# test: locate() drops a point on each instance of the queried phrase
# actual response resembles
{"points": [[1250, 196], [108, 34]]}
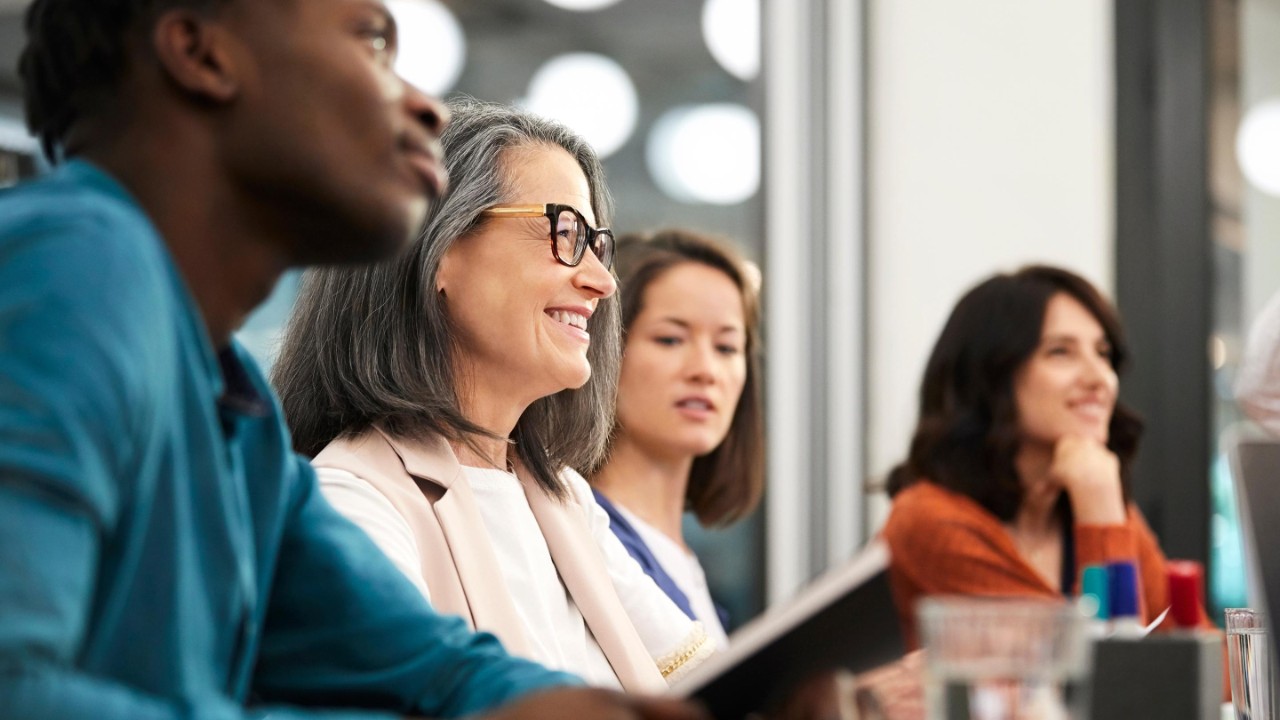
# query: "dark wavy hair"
{"points": [[76, 55], [726, 483], [967, 435]]}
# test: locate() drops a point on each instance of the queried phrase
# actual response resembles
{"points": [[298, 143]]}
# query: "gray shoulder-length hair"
{"points": [[373, 345]]}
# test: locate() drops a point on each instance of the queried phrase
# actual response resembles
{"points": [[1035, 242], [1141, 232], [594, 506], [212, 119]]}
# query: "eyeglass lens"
{"points": [[571, 240], [569, 236]]}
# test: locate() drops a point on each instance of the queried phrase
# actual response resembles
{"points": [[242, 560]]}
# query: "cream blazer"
{"points": [[460, 567]]}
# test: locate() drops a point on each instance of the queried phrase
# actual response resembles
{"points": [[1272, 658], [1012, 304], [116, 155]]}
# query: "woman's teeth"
{"points": [[569, 318]]}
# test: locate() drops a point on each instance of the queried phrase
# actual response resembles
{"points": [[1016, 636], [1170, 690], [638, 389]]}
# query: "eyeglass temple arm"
{"points": [[518, 211]]}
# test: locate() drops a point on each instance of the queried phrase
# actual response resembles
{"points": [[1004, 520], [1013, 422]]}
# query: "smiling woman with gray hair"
{"points": [[445, 395]]}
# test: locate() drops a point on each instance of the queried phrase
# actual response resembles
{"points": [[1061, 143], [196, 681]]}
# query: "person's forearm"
{"points": [[1102, 505]]}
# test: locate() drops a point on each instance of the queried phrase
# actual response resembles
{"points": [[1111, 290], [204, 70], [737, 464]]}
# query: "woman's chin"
{"points": [[699, 444], [574, 379], [1089, 431], [1097, 433]]}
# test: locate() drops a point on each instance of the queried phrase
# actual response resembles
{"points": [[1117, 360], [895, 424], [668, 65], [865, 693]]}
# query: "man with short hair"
{"points": [[163, 554]]}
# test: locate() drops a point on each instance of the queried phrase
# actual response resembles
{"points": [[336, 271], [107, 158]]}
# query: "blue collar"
{"points": [[239, 394]]}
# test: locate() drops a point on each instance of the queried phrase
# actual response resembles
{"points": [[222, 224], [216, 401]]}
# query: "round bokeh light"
{"points": [[706, 153], [1258, 147], [731, 29], [591, 94], [582, 5], [432, 47]]}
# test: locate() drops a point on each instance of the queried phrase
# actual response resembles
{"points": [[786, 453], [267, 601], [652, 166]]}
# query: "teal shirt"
{"points": [[163, 553]]}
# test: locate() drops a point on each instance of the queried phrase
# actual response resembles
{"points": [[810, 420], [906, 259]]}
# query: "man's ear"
{"points": [[196, 53]]}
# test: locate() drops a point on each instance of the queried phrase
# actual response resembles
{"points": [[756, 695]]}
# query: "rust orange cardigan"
{"points": [[945, 543]]}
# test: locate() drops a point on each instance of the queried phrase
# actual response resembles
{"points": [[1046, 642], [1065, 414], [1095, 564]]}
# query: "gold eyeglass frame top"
{"points": [[551, 211]]}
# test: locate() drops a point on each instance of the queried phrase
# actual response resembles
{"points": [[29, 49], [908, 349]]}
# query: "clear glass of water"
{"points": [[1249, 660], [989, 659]]}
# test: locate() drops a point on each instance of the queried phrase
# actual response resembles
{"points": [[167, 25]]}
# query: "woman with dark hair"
{"points": [[445, 395], [689, 430], [1018, 473]]}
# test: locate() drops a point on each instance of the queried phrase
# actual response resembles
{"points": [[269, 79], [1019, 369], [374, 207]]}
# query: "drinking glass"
{"points": [[1249, 660], [990, 659]]}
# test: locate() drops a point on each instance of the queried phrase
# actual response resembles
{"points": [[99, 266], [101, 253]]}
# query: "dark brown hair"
{"points": [[967, 435], [726, 483]]}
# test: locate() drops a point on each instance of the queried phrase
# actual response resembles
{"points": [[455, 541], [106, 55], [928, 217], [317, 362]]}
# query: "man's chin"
{"points": [[358, 249], [383, 239], [402, 233]]}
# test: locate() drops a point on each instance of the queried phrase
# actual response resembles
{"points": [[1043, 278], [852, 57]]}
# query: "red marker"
{"points": [[1186, 583]]}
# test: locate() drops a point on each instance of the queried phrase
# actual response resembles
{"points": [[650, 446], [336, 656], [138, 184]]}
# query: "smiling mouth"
{"points": [[695, 404], [1091, 409], [570, 319]]}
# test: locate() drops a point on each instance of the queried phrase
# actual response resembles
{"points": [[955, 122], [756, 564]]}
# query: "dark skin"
{"points": [[597, 704], [230, 262], [271, 134], [231, 193]]}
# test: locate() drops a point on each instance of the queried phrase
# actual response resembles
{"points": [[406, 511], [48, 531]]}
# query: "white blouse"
{"points": [[685, 570], [557, 632]]}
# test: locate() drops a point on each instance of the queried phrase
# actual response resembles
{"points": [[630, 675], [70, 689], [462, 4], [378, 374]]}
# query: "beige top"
{"points": [[468, 565]]}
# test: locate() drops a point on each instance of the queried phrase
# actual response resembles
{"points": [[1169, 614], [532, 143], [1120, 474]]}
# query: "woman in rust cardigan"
{"points": [[1018, 473]]}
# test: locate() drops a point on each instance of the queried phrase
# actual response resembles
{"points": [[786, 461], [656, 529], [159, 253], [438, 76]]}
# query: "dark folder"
{"points": [[844, 619]]}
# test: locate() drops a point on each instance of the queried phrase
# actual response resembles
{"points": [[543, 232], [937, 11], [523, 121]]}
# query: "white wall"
{"points": [[1260, 82], [990, 145]]}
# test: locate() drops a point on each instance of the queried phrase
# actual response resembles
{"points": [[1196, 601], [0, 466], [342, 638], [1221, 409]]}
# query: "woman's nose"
{"points": [[1098, 371], [594, 278], [700, 362]]}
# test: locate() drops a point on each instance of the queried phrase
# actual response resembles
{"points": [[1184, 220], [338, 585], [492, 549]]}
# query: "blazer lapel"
{"points": [[582, 568], [487, 594]]}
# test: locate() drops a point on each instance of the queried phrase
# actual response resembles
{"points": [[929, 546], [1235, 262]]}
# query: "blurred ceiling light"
{"points": [[1258, 146], [706, 153], [432, 47], [15, 137], [591, 94], [731, 29], [582, 5], [1217, 352]]}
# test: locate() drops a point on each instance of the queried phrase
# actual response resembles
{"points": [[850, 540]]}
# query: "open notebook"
{"points": [[844, 619]]}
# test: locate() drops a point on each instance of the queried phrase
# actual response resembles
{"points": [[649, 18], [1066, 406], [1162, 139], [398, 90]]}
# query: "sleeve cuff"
{"points": [[1104, 543], [697, 647]]}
